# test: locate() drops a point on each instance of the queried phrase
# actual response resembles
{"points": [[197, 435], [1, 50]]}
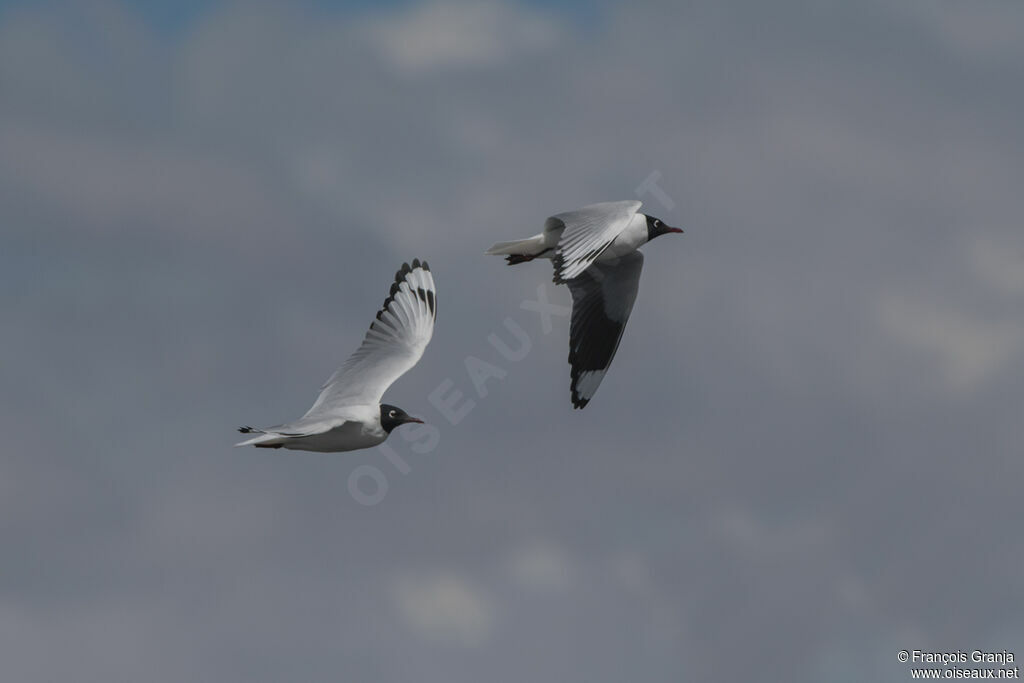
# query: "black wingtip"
{"points": [[396, 286], [579, 403], [557, 262], [245, 430], [559, 280]]}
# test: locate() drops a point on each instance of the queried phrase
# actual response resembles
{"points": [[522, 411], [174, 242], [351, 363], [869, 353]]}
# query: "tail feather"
{"points": [[264, 440], [514, 259], [528, 247]]}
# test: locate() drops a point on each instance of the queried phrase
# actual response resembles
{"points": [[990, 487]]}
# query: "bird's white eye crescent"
{"points": [[391, 414]]}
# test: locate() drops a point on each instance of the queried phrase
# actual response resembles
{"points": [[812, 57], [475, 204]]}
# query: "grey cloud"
{"points": [[804, 458]]}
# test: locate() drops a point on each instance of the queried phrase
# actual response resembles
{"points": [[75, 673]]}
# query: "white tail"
{"points": [[528, 247], [264, 438]]}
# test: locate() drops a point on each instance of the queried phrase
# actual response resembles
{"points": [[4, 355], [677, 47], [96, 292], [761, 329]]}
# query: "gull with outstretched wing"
{"points": [[348, 414]]}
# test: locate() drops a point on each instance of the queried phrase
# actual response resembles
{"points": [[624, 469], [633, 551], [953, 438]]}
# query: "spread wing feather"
{"points": [[587, 233], [602, 299], [394, 344]]}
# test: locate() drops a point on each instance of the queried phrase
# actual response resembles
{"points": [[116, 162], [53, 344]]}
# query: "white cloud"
{"points": [[1001, 266], [741, 529], [457, 34], [967, 350], [540, 565], [443, 607], [110, 184], [982, 30], [633, 570]]}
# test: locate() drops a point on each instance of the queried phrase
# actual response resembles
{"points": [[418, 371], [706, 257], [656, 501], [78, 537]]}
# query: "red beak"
{"points": [[416, 420], [674, 230]]}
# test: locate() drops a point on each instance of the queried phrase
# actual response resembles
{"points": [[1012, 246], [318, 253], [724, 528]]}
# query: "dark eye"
{"points": [[391, 414], [657, 222]]}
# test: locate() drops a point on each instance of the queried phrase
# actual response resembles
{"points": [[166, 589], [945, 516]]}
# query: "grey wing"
{"points": [[394, 344], [602, 299], [587, 233]]}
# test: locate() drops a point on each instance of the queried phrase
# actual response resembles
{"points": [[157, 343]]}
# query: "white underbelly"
{"points": [[616, 250], [627, 242], [350, 436]]}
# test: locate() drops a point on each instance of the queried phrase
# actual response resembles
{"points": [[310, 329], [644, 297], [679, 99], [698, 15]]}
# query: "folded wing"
{"points": [[602, 299], [587, 233], [394, 344]]}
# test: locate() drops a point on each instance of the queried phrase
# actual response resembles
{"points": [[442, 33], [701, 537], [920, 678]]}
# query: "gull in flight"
{"points": [[348, 414], [594, 252]]}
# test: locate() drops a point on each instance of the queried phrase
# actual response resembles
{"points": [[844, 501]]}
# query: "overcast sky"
{"points": [[806, 456]]}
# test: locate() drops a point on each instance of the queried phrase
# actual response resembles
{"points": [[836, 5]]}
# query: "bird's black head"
{"points": [[391, 417], [655, 227]]}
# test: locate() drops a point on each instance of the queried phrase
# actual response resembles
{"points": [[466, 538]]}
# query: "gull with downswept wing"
{"points": [[594, 252]]}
